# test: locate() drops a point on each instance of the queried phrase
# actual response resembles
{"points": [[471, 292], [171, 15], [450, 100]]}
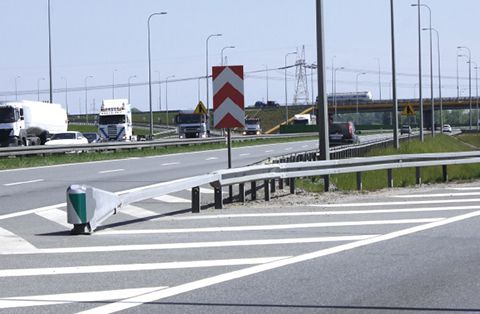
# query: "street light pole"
{"points": [[396, 143], [159, 91], [356, 87], [422, 137], [335, 87], [166, 94], [150, 71], [38, 87], [50, 53], [469, 81], [16, 87], [266, 77], [66, 93], [86, 97], [129, 79], [286, 92], [223, 49], [440, 77], [379, 79], [207, 78]]}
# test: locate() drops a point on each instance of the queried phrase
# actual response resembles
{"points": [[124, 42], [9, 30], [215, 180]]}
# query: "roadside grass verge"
{"points": [[37, 161], [472, 139], [376, 180]]}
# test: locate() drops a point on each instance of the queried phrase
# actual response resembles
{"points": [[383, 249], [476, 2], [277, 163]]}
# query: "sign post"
{"points": [[228, 103]]}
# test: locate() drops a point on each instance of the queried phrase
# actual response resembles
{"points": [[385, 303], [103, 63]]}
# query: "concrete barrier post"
{"points": [[292, 185], [266, 189], [272, 186], [359, 181], [390, 178], [418, 175], [445, 173], [280, 184], [196, 199], [253, 190], [218, 198], [326, 183], [241, 192]]}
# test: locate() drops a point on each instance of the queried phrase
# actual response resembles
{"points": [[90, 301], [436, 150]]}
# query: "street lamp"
{"points": [[159, 91], [396, 143], [266, 78], [16, 87], [379, 79], [469, 81], [150, 71], [113, 84], [476, 88], [458, 78], [356, 86], [223, 49], [286, 93], [129, 79], [422, 137], [432, 98], [50, 54], [198, 88], [38, 87], [86, 97], [66, 93], [206, 78], [335, 87], [440, 77], [166, 94]]}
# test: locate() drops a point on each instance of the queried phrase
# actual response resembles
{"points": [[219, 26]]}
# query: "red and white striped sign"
{"points": [[228, 98]]}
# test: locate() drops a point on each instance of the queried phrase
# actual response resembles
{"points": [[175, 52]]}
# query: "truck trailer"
{"points": [[115, 120], [25, 123]]}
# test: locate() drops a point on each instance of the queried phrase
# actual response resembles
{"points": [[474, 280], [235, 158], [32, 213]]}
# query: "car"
{"points": [[405, 129], [447, 128], [92, 137], [342, 133], [67, 138]]}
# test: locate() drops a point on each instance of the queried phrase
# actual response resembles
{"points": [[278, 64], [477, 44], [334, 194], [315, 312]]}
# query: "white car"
{"points": [[447, 128], [67, 138]]}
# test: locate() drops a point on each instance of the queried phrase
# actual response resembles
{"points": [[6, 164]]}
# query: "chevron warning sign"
{"points": [[228, 97]]}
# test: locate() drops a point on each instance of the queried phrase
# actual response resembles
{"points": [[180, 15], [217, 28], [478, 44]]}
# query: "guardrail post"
{"points": [[445, 173], [292, 185], [272, 186], [418, 175], [326, 183], [266, 188], [241, 192], [359, 181], [287, 182], [390, 178], [218, 198], [253, 190], [196, 199], [280, 184]]}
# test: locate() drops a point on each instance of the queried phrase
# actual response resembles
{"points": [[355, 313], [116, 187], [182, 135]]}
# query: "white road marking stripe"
{"points": [[438, 195], [24, 182], [65, 298], [135, 267], [57, 216], [212, 158], [269, 151], [187, 245], [171, 199], [137, 212], [288, 148], [472, 188], [10, 242], [272, 227], [325, 213], [31, 211], [110, 171], [465, 200], [170, 163], [245, 154], [202, 283]]}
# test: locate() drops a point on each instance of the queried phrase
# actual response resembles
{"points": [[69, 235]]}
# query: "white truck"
{"points": [[191, 125], [25, 123], [304, 119], [115, 120], [252, 126]]}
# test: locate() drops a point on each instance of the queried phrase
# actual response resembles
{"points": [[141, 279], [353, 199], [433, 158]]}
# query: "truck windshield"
{"points": [[251, 121], [7, 115], [189, 118], [113, 119]]}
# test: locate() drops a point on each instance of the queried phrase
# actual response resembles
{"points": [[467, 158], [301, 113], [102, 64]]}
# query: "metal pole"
{"points": [[223, 49], [469, 82], [356, 86], [322, 106], [50, 53], [166, 95], [335, 87], [476, 101], [458, 79], [379, 79], [198, 88], [229, 152], [16, 87], [311, 82], [207, 78], [86, 97], [38, 87], [432, 99], [266, 76], [66, 93], [286, 93], [113, 84], [439, 79], [129, 79], [422, 136], [396, 143], [150, 71], [159, 91]]}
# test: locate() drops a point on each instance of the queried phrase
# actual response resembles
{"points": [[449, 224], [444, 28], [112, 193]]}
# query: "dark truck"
{"points": [[342, 133]]}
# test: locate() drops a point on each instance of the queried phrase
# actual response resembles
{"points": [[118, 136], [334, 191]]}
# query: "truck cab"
{"points": [[252, 127], [115, 120], [12, 125], [191, 125]]}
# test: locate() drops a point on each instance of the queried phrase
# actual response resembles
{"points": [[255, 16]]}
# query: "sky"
{"points": [[107, 40]]}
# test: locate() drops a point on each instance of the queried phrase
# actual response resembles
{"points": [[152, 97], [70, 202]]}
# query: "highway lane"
{"points": [[362, 253], [30, 188]]}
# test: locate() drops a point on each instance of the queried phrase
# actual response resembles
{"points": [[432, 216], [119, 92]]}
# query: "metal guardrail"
{"points": [[98, 205], [119, 146]]}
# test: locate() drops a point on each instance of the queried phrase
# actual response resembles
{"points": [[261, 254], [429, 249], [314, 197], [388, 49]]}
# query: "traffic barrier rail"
{"points": [[82, 211]]}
